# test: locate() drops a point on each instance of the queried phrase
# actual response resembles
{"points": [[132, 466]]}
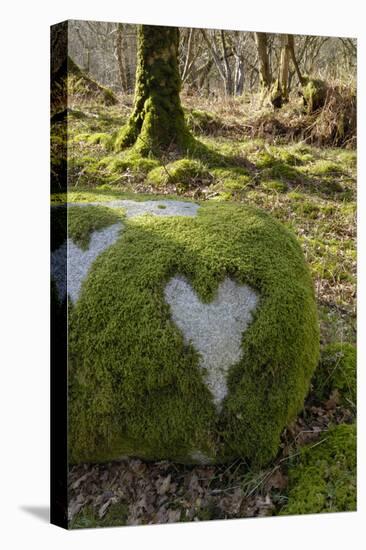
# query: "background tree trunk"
{"points": [[263, 59], [284, 67], [157, 121], [291, 46], [120, 58]]}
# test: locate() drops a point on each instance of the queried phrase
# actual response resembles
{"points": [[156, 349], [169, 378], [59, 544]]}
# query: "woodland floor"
{"points": [[312, 190]]}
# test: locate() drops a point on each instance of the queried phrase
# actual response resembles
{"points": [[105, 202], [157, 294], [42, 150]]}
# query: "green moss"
{"points": [[131, 161], [185, 172], [314, 93], [273, 166], [308, 208], [83, 221], [88, 518], [87, 195], [337, 371], [235, 178], [274, 185], [136, 388], [323, 478], [347, 158], [292, 158], [85, 171], [323, 256], [325, 168], [100, 139], [202, 122], [282, 170], [97, 138], [265, 159], [303, 154]]}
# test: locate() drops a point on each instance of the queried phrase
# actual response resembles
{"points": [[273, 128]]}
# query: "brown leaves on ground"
{"points": [[164, 492]]}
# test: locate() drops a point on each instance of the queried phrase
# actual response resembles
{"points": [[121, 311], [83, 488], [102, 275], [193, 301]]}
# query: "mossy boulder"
{"points": [[323, 477], [193, 336]]}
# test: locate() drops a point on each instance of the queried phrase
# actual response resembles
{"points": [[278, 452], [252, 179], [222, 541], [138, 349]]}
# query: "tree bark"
{"points": [[263, 59], [229, 89], [120, 59], [189, 55], [157, 121], [239, 75], [284, 67], [291, 46]]}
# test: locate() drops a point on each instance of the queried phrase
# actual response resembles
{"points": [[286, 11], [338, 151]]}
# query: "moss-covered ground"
{"points": [[312, 191], [322, 477]]}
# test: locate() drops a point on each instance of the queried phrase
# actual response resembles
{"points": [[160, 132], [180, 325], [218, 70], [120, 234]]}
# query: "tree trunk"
{"points": [[189, 55], [239, 75], [284, 67], [280, 89], [263, 59], [120, 58], [291, 46], [229, 88], [157, 121], [220, 59]]}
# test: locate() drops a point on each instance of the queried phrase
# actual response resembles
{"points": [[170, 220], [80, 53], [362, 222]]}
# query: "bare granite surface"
{"points": [[216, 329]]}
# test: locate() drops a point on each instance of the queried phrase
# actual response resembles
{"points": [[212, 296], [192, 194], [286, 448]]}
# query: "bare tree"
{"points": [[123, 65], [219, 50]]}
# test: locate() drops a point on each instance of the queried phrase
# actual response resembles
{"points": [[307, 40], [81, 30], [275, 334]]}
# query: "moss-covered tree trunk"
{"points": [[157, 121]]}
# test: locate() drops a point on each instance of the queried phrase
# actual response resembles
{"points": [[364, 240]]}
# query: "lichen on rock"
{"points": [[215, 329]]}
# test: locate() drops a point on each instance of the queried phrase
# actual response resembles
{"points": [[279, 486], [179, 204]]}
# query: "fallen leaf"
{"points": [[173, 516], [333, 400], [163, 484], [277, 480], [103, 509]]}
